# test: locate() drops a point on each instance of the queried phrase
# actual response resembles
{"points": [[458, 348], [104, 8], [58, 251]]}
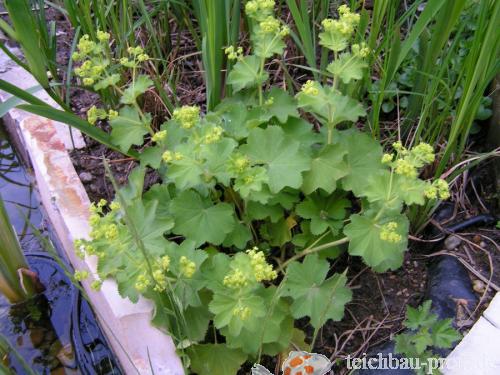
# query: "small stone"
{"points": [[85, 177], [478, 286], [452, 242], [93, 188], [36, 336]]}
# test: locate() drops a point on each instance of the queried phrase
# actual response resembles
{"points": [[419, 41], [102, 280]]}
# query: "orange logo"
{"points": [[299, 363]]}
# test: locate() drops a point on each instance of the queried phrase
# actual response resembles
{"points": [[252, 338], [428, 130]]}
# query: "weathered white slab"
{"points": [[135, 342], [15, 75], [479, 350]]}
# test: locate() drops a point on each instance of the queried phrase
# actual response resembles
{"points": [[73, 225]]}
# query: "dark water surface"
{"points": [[55, 332]]}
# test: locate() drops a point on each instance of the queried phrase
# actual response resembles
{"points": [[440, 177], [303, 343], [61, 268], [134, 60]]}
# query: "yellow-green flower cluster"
{"points": [[438, 189], [187, 267], [169, 156], [236, 279], [270, 25], [345, 24], [81, 275], [93, 57], [96, 285], [142, 283], [165, 263], [310, 88], [259, 9], [242, 312], [160, 280], [234, 53], [94, 114], [103, 226], [85, 47], [213, 135], [102, 36], [136, 55], [187, 116], [112, 114], [408, 162], [262, 270], [239, 163], [91, 71], [389, 233], [159, 136], [360, 50]]}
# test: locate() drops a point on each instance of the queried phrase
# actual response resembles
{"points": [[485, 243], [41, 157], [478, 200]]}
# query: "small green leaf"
{"points": [[333, 40], [314, 296], [268, 45], [210, 359], [239, 237], [136, 88], [443, 334], [364, 235], [104, 83], [420, 317], [259, 211], [200, 220], [128, 128], [347, 67], [245, 73], [283, 105], [277, 234]]}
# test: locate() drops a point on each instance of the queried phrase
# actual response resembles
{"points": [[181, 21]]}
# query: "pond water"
{"points": [[55, 332]]}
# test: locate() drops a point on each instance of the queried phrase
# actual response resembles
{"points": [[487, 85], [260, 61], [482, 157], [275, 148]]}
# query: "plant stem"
{"points": [[311, 250]]}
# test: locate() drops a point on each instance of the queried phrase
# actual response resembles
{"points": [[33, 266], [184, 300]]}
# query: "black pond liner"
{"points": [[448, 281]]}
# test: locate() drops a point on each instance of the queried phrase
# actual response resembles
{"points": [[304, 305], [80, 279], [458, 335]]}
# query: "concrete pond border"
{"points": [[43, 144]]}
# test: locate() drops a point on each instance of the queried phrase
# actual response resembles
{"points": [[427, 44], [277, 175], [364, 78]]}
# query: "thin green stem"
{"points": [[312, 250]]}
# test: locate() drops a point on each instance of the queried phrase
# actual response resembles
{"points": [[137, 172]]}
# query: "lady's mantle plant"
{"points": [[233, 245]]}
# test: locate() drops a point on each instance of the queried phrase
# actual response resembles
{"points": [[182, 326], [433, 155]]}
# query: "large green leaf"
{"points": [[186, 288], [271, 329], [223, 306], [364, 156], [324, 212], [200, 220], [313, 295], [128, 128], [327, 167], [364, 234], [281, 155], [211, 359]]}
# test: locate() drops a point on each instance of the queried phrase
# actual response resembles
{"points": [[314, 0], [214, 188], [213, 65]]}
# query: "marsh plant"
{"points": [[17, 282], [236, 241]]}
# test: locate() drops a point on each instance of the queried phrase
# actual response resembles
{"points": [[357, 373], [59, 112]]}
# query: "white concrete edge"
{"points": [[479, 350], [127, 326]]}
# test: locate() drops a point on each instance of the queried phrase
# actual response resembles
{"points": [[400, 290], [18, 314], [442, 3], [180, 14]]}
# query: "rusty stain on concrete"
{"points": [[64, 180]]}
